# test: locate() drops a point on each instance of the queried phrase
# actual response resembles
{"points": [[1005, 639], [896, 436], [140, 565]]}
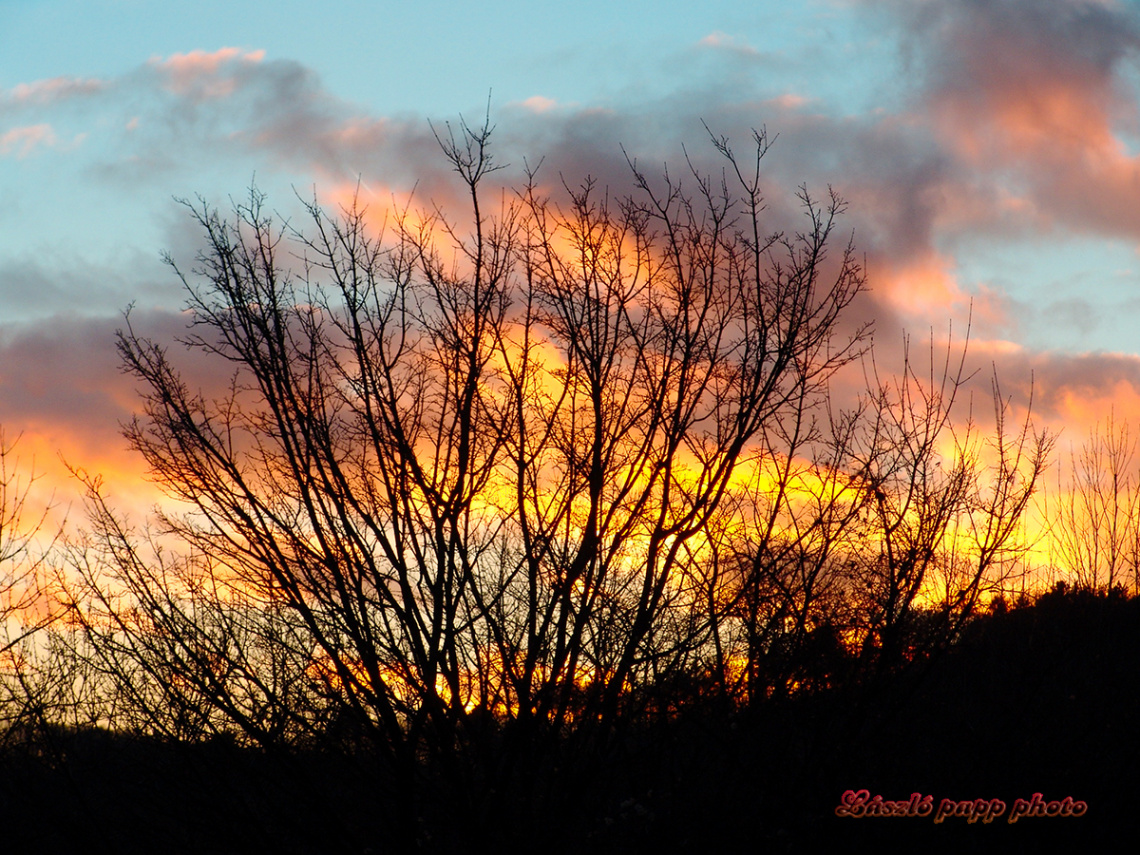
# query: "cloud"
{"points": [[193, 113], [34, 287], [1036, 96], [51, 91], [722, 41], [1012, 126], [791, 101], [204, 76], [538, 104], [23, 141], [1074, 391], [62, 391], [60, 388]]}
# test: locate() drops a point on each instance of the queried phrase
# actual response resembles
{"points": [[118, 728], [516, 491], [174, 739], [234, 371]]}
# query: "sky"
{"points": [[989, 151]]}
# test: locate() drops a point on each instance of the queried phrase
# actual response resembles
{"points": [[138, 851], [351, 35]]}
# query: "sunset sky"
{"points": [[989, 149]]}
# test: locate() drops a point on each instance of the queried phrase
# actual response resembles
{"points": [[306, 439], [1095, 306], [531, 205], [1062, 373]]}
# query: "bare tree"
{"points": [[779, 585], [25, 606], [1094, 516], [883, 528], [468, 473], [944, 505]]}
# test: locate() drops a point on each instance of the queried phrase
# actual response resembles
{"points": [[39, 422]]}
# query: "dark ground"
{"points": [[1041, 699]]}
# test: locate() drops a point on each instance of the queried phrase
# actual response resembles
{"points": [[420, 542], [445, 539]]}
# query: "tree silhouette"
{"points": [[468, 508], [1094, 513], [467, 475], [27, 679], [480, 502], [882, 528]]}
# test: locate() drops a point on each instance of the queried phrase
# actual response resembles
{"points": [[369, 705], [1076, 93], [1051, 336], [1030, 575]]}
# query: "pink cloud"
{"points": [[790, 101], [722, 41], [23, 141], [538, 104], [1033, 95], [206, 76], [198, 62], [56, 89]]}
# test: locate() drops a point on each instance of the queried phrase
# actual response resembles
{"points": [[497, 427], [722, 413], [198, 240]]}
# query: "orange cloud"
{"points": [[925, 287], [62, 393], [1080, 410], [382, 206]]}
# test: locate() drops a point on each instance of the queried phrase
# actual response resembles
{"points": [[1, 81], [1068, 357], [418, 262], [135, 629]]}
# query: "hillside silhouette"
{"points": [[1042, 697]]}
